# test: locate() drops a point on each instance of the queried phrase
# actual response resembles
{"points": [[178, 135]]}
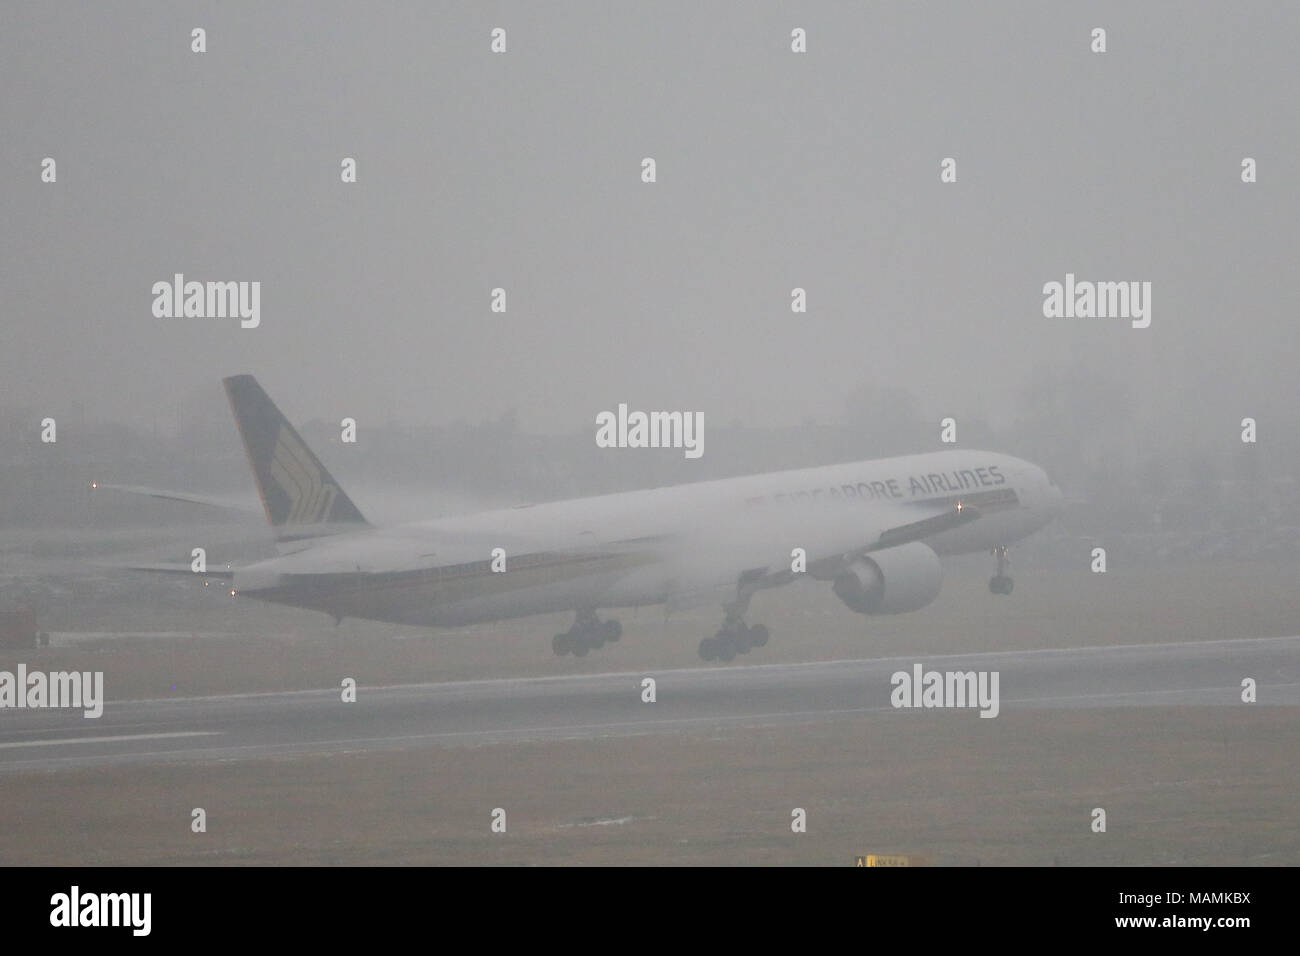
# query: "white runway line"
{"points": [[115, 739]]}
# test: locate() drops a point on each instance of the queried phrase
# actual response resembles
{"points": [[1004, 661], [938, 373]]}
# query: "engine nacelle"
{"points": [[892, 581]]}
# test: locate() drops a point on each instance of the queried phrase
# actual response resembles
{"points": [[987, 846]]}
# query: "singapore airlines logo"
{"points": [[294, 470]]}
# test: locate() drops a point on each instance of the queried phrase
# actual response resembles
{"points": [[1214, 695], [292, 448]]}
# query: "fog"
{"points": [[522, 171]]}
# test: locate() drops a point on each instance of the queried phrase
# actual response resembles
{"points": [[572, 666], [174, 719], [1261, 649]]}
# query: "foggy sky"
{"points": [[522, 170]]}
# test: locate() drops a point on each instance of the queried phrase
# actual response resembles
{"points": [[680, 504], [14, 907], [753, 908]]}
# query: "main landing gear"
{"points": [[1001, 583], [735, 636], [733, 639], [588, 633]]}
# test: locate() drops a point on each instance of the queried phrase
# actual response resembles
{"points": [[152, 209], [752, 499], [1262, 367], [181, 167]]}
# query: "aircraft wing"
{"points": [[164, 568], [756, 548], [920, 528]]}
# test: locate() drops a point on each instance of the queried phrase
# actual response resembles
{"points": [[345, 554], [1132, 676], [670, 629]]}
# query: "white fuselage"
{"points": [[634, 548]]}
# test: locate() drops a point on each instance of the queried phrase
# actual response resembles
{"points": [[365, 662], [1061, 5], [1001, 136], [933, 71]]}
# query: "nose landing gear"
{"points": [[1001, 583]]}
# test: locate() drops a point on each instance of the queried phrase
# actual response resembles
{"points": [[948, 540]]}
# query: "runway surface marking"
{"points": [[109, 740], [933, 659], [1197, 674]]}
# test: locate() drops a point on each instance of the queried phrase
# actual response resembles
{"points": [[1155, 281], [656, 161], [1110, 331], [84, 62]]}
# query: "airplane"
{"points": [[874, 530]]}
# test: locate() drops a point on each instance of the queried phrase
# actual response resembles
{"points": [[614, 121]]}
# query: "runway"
{"points": [[234, 727]]}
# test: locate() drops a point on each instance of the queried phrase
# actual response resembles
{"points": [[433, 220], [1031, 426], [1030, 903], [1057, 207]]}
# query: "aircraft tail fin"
{"points": [[301, 497]]}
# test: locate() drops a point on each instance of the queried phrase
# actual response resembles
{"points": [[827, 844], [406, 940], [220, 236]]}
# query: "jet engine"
{"points": [[891, 581]]}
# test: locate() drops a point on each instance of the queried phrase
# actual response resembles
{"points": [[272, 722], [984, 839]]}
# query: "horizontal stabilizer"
{"points": [[182, 496]]}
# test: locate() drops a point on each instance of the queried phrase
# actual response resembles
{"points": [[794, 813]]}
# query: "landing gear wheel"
{"points": [[734, 638], [587, 634]]}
